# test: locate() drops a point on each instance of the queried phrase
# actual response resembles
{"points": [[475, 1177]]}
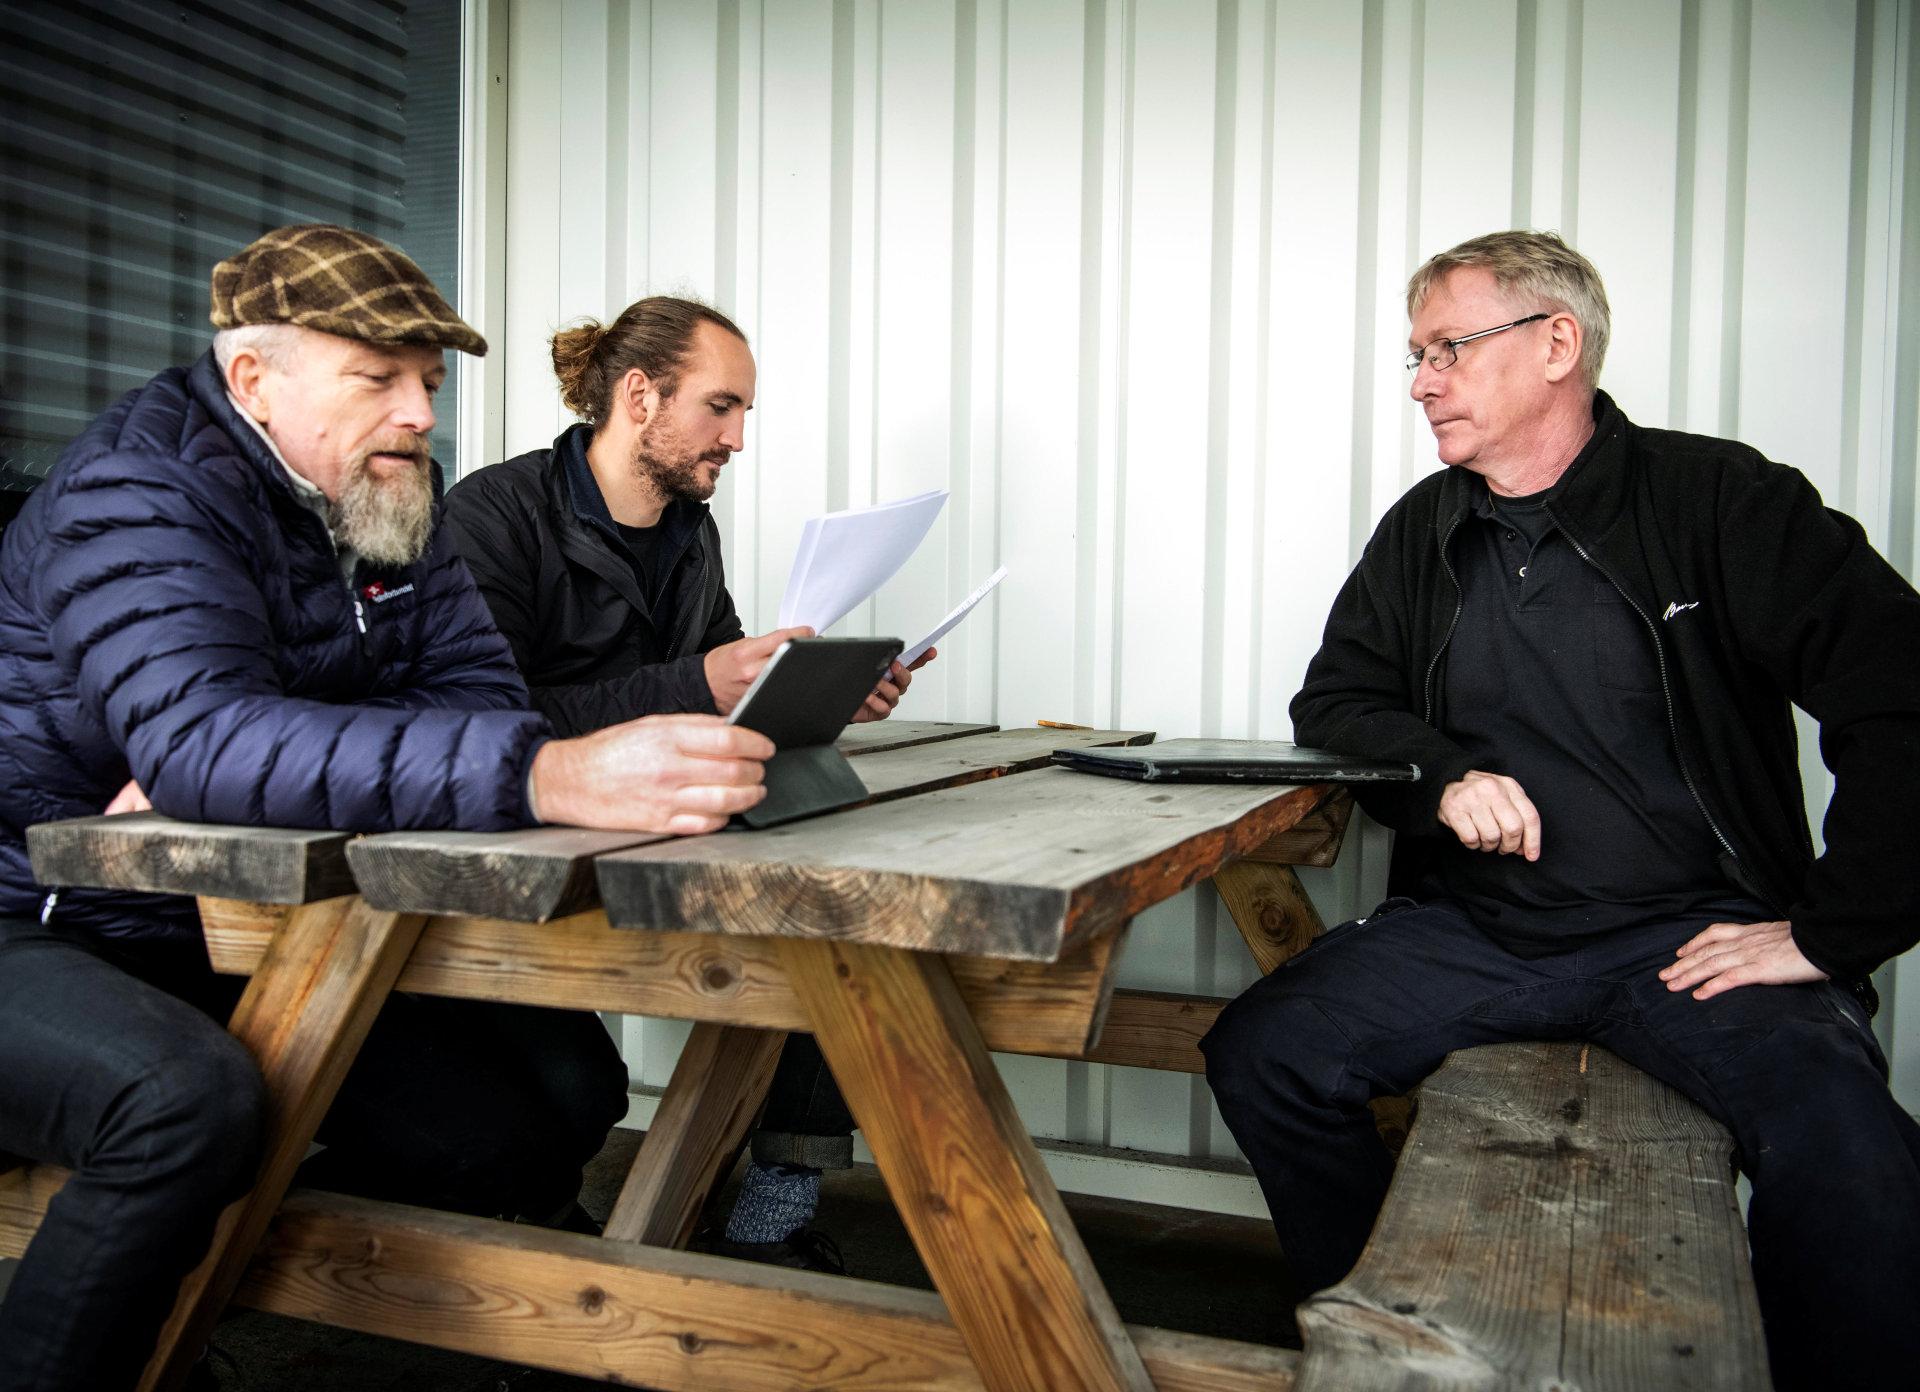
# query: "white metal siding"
{"points": [[1126, 276]]}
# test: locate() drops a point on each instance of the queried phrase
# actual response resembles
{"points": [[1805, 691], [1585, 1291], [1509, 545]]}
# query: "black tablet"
{"points": [[1233, 761], [811, 687]]}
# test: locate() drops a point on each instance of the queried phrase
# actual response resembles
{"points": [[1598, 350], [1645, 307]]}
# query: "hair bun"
{"points": [[574, 352]]}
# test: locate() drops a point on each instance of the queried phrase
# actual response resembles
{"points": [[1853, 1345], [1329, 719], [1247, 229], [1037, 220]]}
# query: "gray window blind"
{"points": [[142, 142]]}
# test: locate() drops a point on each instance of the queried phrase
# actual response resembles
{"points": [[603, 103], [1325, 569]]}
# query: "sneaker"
{"points": [[806, 1249], [572, 1218], [214, 1371]]}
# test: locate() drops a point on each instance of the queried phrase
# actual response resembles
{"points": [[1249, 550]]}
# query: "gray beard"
{"points": [[389, 524]]}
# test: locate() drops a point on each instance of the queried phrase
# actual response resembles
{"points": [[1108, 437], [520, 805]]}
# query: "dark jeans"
{"points": [[114, 1063], [806, 1121], [1792, 1071]]}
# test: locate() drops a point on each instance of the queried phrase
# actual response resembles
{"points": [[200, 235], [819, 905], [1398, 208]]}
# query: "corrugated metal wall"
{"points": [[1125, 276]]}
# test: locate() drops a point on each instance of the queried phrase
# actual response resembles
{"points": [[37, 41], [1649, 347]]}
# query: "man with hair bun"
{"points": [[601, 563], [231, 597], [1590, 636]]}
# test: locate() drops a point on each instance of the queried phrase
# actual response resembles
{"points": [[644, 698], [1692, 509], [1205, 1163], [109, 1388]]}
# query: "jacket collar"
{"points": [[680, 521], [250, 440], [209, 390], [1587, 499], [1593, 493]]}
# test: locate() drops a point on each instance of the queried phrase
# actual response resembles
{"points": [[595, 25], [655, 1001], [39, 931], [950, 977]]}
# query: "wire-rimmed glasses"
{"points": [[1443, 353]]}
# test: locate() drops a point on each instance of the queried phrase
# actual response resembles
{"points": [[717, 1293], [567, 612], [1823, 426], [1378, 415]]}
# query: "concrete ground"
{"points": [[1200, 1273]]}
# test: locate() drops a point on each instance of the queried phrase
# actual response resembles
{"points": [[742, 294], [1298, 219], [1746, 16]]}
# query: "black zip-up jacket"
{"points": [[1757, 598], [537, 535]]}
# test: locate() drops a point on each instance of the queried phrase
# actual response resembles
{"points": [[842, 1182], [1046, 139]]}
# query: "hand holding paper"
{"points": [[884, 697]]}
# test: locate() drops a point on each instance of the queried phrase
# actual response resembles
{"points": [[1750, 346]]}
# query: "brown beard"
{"points": [[676, 474], [388, 521]]}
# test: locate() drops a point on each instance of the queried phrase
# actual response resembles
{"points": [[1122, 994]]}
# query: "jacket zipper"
{"points": [[1666, 689], [360, 621], [1459, 603]]}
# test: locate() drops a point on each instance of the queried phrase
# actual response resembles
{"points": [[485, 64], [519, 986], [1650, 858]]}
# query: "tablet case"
{"points": [[1233, 761], [802, 700]]}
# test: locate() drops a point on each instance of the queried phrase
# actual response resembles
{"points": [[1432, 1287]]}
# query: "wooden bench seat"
{"points": [[1558, 1220]]}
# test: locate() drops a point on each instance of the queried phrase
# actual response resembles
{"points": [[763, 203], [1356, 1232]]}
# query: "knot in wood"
{"points": [[592, 1299], [717, 976], [691, 1342]]}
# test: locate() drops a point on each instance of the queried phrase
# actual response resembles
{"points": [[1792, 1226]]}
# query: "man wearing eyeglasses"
{"points": [[1590, 637]]}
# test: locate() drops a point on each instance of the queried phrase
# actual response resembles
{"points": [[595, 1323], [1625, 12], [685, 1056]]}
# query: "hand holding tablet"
{"points": [[802, 700]]}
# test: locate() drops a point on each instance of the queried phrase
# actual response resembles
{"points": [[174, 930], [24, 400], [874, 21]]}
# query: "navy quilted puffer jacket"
{"points": [[171, 612]]}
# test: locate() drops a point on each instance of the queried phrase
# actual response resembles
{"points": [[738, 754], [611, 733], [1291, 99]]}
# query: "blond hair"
{"points": [[1536, 270]]}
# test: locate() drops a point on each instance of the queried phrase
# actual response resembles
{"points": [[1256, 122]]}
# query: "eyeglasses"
{"points": [[1443, 353]]}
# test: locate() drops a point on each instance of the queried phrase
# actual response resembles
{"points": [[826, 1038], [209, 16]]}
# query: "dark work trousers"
{"points": [[1793, 1072], [115, 1063], [806, 1121], [158, 1112]]}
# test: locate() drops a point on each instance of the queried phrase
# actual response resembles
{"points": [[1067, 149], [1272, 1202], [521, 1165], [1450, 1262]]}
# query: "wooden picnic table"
{"points": [[977, 901]]}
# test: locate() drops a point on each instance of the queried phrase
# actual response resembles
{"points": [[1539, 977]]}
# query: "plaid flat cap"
{"points": [[338, 281]]}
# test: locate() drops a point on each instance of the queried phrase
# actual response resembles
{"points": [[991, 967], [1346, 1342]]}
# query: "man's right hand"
{"points": [[731, 667], [684, 774], [1491, 812]]}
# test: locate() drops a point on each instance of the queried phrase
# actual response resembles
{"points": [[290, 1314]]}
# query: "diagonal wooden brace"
{"points": [[716, 1092], [303, 1017]]}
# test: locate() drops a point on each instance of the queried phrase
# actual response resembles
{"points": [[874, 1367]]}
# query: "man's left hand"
{"points": [[884, 697], [129, 799], [1730, 955]]}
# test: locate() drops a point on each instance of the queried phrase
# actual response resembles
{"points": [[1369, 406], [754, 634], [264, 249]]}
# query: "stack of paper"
{"points": [[845, 557]]}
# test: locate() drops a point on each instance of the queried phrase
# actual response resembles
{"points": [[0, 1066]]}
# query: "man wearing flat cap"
{"points": [[231, 597]]}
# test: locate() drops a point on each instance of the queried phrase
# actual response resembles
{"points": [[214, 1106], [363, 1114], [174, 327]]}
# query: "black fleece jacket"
{"points": [[537, 535], [1757, 598]]}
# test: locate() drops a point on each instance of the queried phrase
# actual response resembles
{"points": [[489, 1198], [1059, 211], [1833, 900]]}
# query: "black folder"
{"points": [[1233, 761]]}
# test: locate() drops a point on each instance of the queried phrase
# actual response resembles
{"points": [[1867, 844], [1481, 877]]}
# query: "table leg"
{"points": [[969, 1184], [716, 1091], [303, 1017]]}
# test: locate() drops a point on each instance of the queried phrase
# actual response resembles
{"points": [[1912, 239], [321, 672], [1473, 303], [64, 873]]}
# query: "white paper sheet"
{"points": [[947, 625], [844, 557]]}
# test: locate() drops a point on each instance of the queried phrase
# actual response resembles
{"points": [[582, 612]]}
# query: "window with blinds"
{"points": [[142, 142]]}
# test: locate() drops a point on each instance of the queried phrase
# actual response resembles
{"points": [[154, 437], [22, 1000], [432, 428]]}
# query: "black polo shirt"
{"points": [[1552, 678]]}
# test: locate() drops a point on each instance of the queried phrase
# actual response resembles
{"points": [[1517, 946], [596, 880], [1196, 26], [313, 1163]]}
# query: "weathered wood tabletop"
{"points": [[976, 901]]}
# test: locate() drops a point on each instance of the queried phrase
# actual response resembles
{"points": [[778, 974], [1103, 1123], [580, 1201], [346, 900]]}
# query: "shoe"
{"points": [[214, 1371], [572, 1218], [806, 1249]]}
